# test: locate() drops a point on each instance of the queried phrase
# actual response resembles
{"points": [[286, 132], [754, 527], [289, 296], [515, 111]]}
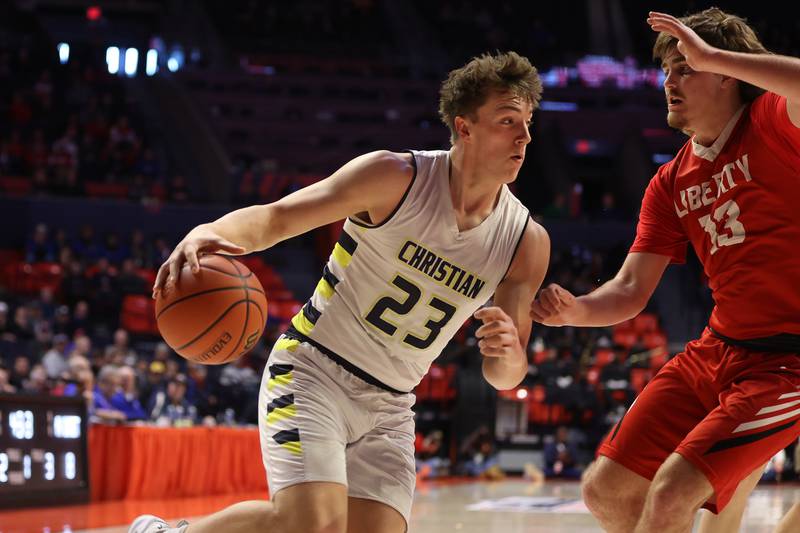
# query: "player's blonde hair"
{"points": [[468, 87], [720, 30]]}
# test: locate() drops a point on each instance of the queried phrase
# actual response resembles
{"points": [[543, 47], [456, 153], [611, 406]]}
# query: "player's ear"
{"points": [[462, 128]]}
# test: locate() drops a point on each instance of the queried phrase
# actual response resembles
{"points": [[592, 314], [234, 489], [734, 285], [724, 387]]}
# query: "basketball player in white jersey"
{"points": [[429, 237]]}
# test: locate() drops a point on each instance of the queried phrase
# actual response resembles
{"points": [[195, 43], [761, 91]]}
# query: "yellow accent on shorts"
{"points": [[283, 379], [282, 413], [324, 288], [341, 256], [302, 324], [286, 344], [295, 447]]}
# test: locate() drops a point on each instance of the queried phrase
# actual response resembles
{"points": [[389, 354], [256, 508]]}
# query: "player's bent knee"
{"points": [[666, 498]]}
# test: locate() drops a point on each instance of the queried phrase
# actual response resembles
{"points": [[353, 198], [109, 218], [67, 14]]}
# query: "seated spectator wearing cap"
{"points": [[171, 407], [127, 398], [103, 410], [153, 383]]}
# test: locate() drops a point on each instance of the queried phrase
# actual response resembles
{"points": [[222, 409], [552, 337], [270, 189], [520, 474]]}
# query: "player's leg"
{"points": [[303, 415], [676, 494], [756, 417], [380, 464], [790, 523], [730, 518], [615, 488], [369, 515], [314, 507], [614, 494]]}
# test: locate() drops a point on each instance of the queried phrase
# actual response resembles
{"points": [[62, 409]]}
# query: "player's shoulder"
{"points": [[668, 172], [388, 162]]}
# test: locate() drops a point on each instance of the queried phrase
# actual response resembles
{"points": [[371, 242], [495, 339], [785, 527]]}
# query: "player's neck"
{"points": [[714, 123], [473, 196]]}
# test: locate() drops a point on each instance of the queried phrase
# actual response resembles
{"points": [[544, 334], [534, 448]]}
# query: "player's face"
{"points": [[501, 134], [691, 95]]}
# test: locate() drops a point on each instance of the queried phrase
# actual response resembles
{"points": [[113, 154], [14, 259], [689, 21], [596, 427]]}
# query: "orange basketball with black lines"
{"points": [[214, 316]]}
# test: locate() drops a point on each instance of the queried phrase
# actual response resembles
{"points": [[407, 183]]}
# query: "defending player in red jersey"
{"points": [[731, 400]]}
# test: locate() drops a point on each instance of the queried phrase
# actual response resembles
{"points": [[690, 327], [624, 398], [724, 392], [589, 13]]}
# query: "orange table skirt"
{"points": [[148, 462]]}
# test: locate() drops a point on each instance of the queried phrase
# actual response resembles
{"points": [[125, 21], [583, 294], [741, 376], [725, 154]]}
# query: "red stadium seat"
{"points": [[16, 186], [626, 338], [138, 315], [603, 356], [645, 322], [99, 189], [639, 378]]}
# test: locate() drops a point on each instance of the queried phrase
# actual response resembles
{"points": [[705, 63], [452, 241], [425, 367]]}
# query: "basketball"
{"points": [[214, 316]]}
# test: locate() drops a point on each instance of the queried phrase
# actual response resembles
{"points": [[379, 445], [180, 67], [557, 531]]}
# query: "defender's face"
{"points": [[691, 95], [501, 134]]}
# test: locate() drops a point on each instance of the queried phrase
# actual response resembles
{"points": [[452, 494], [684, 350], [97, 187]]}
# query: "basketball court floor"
{"points": [[513, 506]]}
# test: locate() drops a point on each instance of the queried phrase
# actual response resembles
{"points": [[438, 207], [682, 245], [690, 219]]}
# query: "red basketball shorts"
{"points": [[725, 409]]}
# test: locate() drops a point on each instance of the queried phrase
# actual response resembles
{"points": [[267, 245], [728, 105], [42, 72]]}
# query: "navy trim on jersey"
{"points": [[519, 241]]}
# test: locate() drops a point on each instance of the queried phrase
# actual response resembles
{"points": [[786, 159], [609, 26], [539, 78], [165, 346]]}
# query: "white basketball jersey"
{"points": [[392, 295]]}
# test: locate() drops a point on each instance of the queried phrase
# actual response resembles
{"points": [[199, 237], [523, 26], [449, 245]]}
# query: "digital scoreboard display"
{"points": [[43, 457]]}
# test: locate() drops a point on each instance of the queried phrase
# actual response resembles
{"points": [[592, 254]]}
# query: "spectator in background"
{"points": [[129, 281], [179, 190], [75, 284], [82, 347], [80, 323], [479, 456], [22, 328], [114, 250], [20, 372], [5, 384], [141, 250], [431, 460], [62, 321], [171, 408], [561, 456], [103, 409], [40, 248], [5, 325], [55, 359], [127, 398], [120, 353], [200, 391], [85, 246], [154, 382], [37, 382]]}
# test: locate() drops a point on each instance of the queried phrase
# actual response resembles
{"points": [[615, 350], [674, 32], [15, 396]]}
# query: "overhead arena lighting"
{"points": [[131, 61], [63, 53], [112, 59], [151, 64]]}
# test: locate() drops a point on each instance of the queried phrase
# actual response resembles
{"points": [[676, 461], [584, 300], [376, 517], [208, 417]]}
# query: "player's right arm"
{"points": [[619, 299], [373, 183]]}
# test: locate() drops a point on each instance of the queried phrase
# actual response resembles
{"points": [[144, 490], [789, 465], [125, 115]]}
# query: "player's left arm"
{"points": [[773, 73], [503, 337]]}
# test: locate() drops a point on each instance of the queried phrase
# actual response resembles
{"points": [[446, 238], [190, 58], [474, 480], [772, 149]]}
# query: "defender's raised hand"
{"points": [[697, 52]]}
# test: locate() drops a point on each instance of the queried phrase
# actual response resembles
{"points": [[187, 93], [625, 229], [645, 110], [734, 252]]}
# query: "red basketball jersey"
{"points": [[740, 210]]}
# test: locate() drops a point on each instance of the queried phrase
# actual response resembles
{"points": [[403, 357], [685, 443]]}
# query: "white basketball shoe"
{"points": [[148, 523]]}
